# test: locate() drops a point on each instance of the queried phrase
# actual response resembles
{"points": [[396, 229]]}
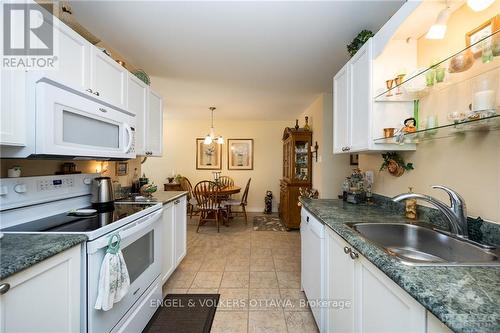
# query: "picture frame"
{"points": [[354, 159], [481, 32], [208, 157], [121, 168], [240, 154]]}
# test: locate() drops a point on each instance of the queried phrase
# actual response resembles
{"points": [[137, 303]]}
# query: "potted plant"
{"points": [[357, 42], [395, 164]]}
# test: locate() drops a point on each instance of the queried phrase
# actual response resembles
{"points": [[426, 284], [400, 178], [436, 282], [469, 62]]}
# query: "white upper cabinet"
{"points": [[341, 110], [12, 105], [357, 118], [360, 77], [137, 94], [154, 125], [73, 58], [108, 79]]}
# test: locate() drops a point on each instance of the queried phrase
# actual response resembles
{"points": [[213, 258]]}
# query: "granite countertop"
{"points": [[20, 251], [466, 299], [168, 196]]}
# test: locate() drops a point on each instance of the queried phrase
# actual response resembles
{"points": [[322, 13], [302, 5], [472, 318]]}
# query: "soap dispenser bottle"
{"points": [[411, 207]]}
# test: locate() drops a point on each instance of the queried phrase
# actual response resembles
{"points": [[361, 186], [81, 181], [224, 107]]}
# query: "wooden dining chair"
{"points": [[207, 198], [228, 204], [191, 200], [226, 181]]}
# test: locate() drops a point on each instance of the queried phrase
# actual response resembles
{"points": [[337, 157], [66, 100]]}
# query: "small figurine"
{"points": [[410, 125], [306, 126], [296, 124]]}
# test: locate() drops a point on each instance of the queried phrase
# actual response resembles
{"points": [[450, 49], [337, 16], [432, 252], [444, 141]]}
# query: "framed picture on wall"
{"points": [[240, 154], [121, 168], [208, 157], [478, 36]]}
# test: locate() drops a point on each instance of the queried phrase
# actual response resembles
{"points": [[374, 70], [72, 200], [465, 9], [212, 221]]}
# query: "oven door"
{"points": [[72, 123], [141, 248]]}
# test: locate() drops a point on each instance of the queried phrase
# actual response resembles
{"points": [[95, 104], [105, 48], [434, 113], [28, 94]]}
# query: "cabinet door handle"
{"points": [[307, 219], [347, 250], [347, 148], [89, 90], [96, 93], [177, 202], [353, 255], [4, 287], [103, 110]]}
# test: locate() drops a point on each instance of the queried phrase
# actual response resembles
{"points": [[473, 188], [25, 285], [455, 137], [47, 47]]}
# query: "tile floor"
{"points": [[257, 274]]}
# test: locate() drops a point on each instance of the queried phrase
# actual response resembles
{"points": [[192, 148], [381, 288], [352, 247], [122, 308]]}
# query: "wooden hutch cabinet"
{"points": [[297, 173]]}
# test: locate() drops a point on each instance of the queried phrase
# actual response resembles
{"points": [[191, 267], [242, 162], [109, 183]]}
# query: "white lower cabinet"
{"points": [[45, 297], [174, 236], [180, 229], [356, 296], [168, 261], [312, 261]]}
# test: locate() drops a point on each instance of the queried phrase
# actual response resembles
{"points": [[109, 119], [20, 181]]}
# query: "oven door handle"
{"points": [[127, 231]]}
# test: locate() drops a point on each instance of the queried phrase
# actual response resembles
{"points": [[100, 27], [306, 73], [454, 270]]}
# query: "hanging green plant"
{"points": [[357, 42], [395, 164]]}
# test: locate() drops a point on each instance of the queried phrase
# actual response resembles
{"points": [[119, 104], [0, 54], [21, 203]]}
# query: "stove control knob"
{"points": [[20, 188], [3, 190], [87, 181]]}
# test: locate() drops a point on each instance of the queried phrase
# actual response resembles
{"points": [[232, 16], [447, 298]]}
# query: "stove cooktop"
{"points": [[68, 222]]}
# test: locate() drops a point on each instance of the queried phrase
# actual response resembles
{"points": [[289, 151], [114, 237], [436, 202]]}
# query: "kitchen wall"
{"points": [[179, 154], [469, 164], [330, 170]]}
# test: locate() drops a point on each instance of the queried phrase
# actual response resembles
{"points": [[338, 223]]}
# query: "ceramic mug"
{"points": [[14, 172], [389, 132]]}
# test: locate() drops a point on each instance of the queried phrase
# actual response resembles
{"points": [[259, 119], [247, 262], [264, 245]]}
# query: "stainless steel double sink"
{"points": [[415, 244]]}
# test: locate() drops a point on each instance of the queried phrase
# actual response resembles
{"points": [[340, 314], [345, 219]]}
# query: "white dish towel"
{"points": [[114, 281]]}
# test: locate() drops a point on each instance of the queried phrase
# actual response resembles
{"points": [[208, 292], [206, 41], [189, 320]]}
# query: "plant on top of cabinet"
{"points": [[395, 164], [357, 42]]}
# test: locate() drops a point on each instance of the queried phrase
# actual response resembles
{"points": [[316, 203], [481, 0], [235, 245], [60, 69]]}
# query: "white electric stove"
{"points": [[46, 204]]}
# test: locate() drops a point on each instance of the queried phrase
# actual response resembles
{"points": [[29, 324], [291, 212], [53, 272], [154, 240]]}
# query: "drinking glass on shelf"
{"points": [[440, 73], [389, 84], [398, 80], [429, 77], [487, 54]]}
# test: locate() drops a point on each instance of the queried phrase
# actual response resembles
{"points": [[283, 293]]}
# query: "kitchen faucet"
{"points": [[456, 214]]}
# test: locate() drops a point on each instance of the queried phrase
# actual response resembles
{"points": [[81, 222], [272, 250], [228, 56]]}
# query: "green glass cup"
{"points": [[429, 77], [440, 73]]}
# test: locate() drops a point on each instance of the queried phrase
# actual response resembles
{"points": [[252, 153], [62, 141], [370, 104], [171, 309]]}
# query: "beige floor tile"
{"points": [[192, 265], [294, 300], [233, 299], [266, 322], [264, 300], [288, 280], [213, 265], [203, 291], [207, 280], [286, 252], [283, 264], [235, 280], [300, 322], [263, 280], [261, 264], [238, 264], [181, 279], [258, 252], [166, 290], [230, 322]]}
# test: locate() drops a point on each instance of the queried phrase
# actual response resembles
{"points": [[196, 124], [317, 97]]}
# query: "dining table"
{"points": [[224, 193]]}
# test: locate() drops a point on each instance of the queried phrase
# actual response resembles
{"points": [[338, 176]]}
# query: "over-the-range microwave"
{"points": [[71, 124]]}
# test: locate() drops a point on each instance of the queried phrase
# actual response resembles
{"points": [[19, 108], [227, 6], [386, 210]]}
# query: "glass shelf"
{"points": [[491, 123], [417, 84]]}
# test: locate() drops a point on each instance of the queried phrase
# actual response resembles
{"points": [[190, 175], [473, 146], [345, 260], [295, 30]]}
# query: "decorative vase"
{"points": [[306, 126], [296, 124]]}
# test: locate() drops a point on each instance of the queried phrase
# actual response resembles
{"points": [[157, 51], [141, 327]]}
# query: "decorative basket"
{"points": [[143, 76]]}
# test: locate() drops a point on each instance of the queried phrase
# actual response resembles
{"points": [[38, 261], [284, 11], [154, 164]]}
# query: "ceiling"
{"points": [[252, 60]]}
